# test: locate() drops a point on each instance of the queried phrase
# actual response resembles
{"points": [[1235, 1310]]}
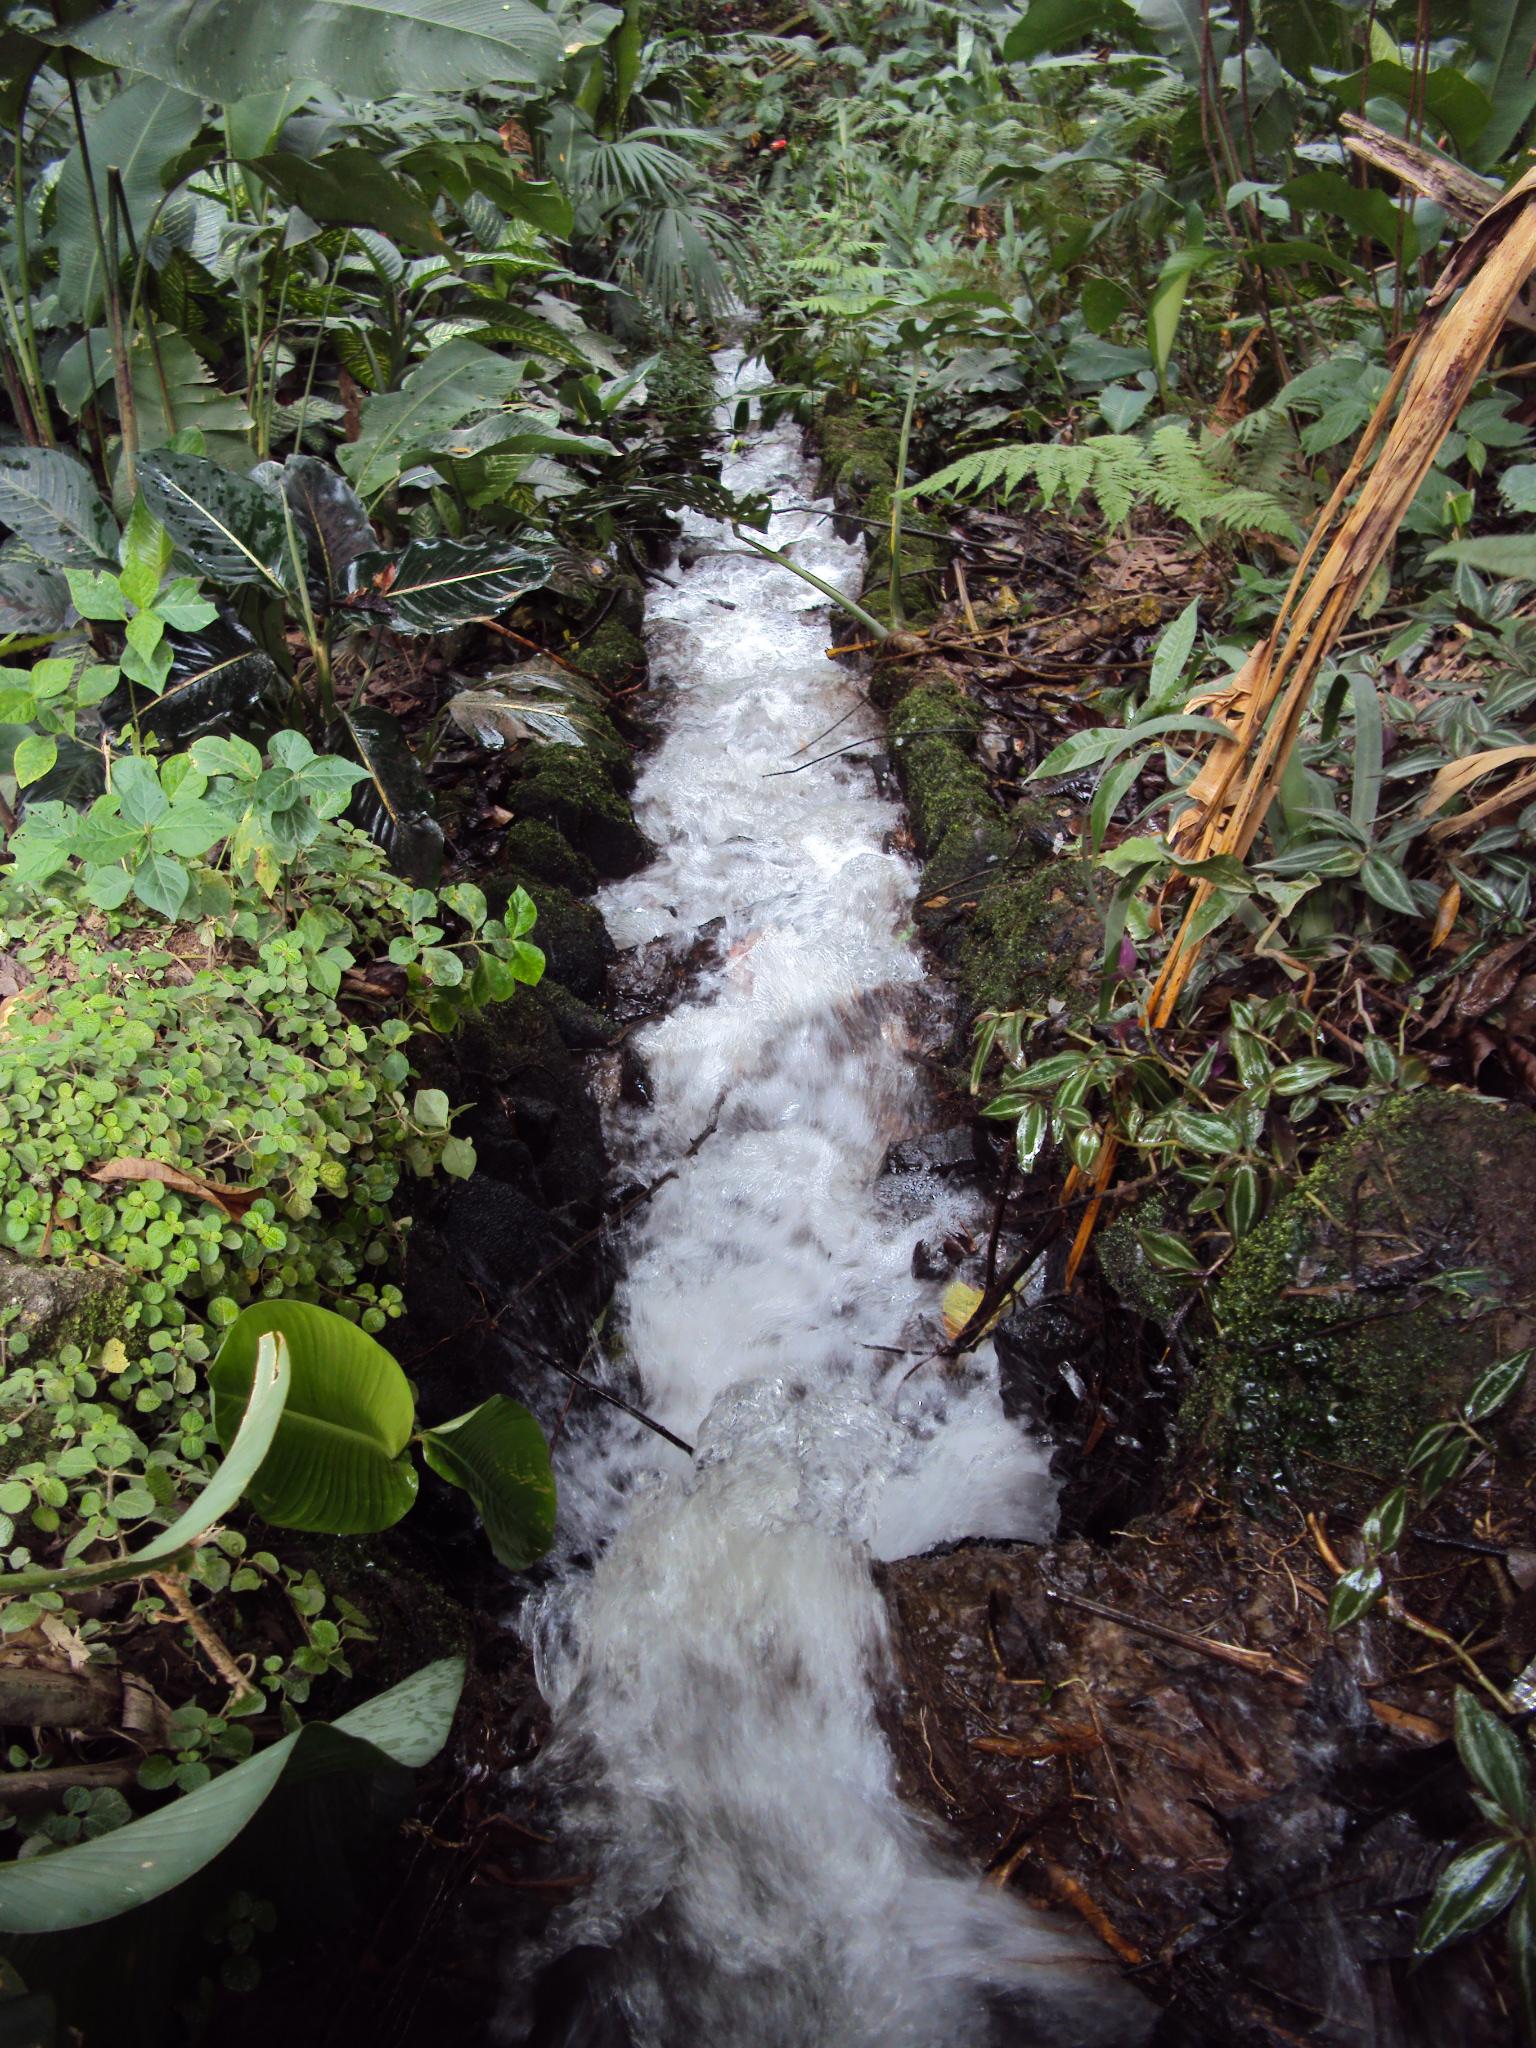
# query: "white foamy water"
{"points": [[756, 1880]]}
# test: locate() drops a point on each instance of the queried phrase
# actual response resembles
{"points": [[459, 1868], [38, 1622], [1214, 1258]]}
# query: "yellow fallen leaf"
{"points": [[960, 1304], [114, 1355]]}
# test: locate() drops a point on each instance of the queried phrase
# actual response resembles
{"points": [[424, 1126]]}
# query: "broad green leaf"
{"points": [[441, 583], [1365, 784], [161, 884], [339, 1462], [252, 1440], [1474, 1888], [1383, 1528], [455, 381], [230, 527], [1494, 1757], [1499, 554], [144, 127], [1167, 1251], [50, 501], [497, 1453], [352, 187], [1384, 880], [33, 758], [366, 49], [33, 597], [1065, 24], [96, 1880]]}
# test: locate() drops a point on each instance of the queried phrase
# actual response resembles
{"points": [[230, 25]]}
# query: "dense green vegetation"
{"points": [[345, 366]]}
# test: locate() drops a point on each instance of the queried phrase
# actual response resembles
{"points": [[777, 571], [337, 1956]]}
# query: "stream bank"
{"points": [[1148, 1722]]}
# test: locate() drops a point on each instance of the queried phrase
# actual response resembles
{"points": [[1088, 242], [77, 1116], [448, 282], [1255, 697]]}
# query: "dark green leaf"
{"points": [[1383, 1529], [1052, 25], [351, 187], [50, 501], [1495, 1386], [134, 134], [497, 1453], [441, 583], [331, 520], [1385, 880], [229, 527], [1171, 1253], [1474, 1888], [1494, 1756], [1355, 1594], [34, 599], [394, 805], [220, 682]]}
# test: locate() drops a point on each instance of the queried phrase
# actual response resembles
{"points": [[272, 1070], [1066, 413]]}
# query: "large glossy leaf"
{"points": [[257, 1421], [339, 1462], [135, 133], [497, 1453], [34, 599], [220, 682], [440, 583], [50, 501], [394, 805], [367, 49], [454, 383], [230, 528], [1503, 32], [351, 187], [331, 518], [96, 1880]]}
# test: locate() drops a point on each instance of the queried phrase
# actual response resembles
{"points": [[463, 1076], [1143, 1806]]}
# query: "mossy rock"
{"points": [[568, 788], [570, 933], [1152, 1291], [1333, 1348], [53, 1305], [531, 847], [610, 653], [859, 458], [680, 389], [1034, 938], [932, 732], [922, 561]]}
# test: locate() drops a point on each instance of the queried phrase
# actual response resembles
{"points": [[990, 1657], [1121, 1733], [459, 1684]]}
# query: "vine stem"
{"points": [[212, 1645]]}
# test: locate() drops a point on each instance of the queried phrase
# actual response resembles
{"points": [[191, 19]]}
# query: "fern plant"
{"points": [[1168, 470]]}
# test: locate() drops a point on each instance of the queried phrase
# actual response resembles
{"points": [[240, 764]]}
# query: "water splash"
{"points": [[756, 1879]]}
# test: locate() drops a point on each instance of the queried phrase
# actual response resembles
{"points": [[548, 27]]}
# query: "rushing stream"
{"points": [[756, 1883]]}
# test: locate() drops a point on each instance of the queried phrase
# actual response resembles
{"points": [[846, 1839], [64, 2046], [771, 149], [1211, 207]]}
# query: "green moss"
{"points": [[860, 458], [567, 787], [1150, 1290], [1034, 937], [610, 653], [932, 730], [534, 848], [1332, 1350], [680, 389]]}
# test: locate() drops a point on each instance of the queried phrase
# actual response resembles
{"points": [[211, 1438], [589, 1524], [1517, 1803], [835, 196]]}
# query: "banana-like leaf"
{"points": [[434, 584], [250, 1440], [96, 1880], [230, 528], [394, 805], [50, 501], [350, 187], [339, 1462], [366, 49], [135, 134], [454, 383], [173, 390], [330, 516], [220, 682], [497, 1453]]}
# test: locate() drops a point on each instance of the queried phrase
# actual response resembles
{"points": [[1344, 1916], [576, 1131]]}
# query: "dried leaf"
{"points": [[1445, 917], [233, 1201]]}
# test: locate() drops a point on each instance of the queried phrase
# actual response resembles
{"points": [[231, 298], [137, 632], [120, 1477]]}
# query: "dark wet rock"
{"points": [[1334, 1342], [1264, 1842], [944, 1153], [649, 979], [935, 1257]]}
